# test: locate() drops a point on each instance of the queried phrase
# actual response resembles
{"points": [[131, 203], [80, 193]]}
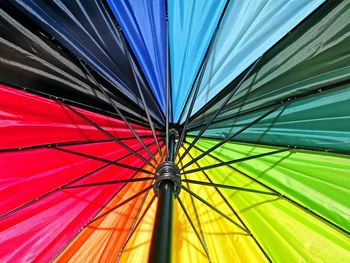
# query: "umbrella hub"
{"points": [[167, 172]]}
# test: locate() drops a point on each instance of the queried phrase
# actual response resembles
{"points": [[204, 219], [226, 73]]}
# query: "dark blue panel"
{"points": [[144, 25], [87, 30]]}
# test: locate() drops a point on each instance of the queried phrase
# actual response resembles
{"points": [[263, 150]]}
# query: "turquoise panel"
{"points": [[191, 26], [248, 30]]}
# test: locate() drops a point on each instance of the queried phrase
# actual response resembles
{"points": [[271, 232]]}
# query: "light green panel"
{"points": [[286, 232], [318, 181]]}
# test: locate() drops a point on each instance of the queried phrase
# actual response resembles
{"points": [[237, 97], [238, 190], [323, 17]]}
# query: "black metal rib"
{"points": [[220, 109], [234, 212], [53, 145], [231, 187], [104, 160], [122, 203], [119, 112], [130, 234], [215, 209], [167, 88], [231, 136], [106, 133], [68, 143], [193, 227], [294, 147], [141, 94], [111, 182], [235, 161], [318, 216], [64, 185]]}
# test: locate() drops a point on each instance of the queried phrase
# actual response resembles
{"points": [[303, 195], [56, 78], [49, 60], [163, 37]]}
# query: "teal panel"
{"points": [[318, 121]]}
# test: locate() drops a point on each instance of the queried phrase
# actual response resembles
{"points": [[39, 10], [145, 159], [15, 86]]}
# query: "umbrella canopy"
{"points": [[183, 131]]}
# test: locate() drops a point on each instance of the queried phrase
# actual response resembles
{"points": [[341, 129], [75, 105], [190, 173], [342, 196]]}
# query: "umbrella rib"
{"points": [[104, 160], [67, 143], [63, 186], [122, 203], [233, 211], [231, 136], [106, 133], [235, 161], [193, 228], [119, 112], [294, 147], [198, 220], [53, 145], [221, 108], [134, 226], [282, 196], [111, 182], [142, 96], [167, 79], [229, 187], [215, 209]]}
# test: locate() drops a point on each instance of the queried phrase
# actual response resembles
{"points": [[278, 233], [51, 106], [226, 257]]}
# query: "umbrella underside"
{"points": [[183, 131]]}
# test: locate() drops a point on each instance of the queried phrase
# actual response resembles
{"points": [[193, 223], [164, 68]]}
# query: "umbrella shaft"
{"points": [[162, 232]]}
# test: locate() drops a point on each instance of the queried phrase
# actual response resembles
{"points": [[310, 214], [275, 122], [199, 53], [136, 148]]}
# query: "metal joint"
{"points": [[167, 171]]}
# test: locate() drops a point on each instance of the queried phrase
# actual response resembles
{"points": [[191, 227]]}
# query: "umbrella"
{"points": [[184, 131]]}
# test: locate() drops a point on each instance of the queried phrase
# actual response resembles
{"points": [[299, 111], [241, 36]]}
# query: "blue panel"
{"points": [[87, 30], [248, 29], [191, 26], [144, 25]]}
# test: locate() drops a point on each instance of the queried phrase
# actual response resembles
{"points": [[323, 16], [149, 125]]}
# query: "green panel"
{"points": [[318, 181], [285, 231], [318, 121], [315, 55]]}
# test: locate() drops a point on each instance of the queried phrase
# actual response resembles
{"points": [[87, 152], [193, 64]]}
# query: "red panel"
{"points": [[27, 119], [39, 230], [31, 173]]}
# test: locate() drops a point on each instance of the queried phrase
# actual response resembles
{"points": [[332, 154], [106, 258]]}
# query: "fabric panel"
{"points": [[144, 25], [248, 30]]}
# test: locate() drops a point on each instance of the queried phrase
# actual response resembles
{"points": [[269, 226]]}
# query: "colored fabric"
{"points": [[60, 198], [320, 121], [90, 34], [313, 56], [63, 212], [191, 27], [224, 240], [107, 238], [144, 24], [300, 175], [32, 61], [282, 228], [48, 122], [104, 239], [247, 31]]}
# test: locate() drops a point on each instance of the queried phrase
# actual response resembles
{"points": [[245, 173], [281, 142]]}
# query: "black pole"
{"points": [[160, 251]]}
